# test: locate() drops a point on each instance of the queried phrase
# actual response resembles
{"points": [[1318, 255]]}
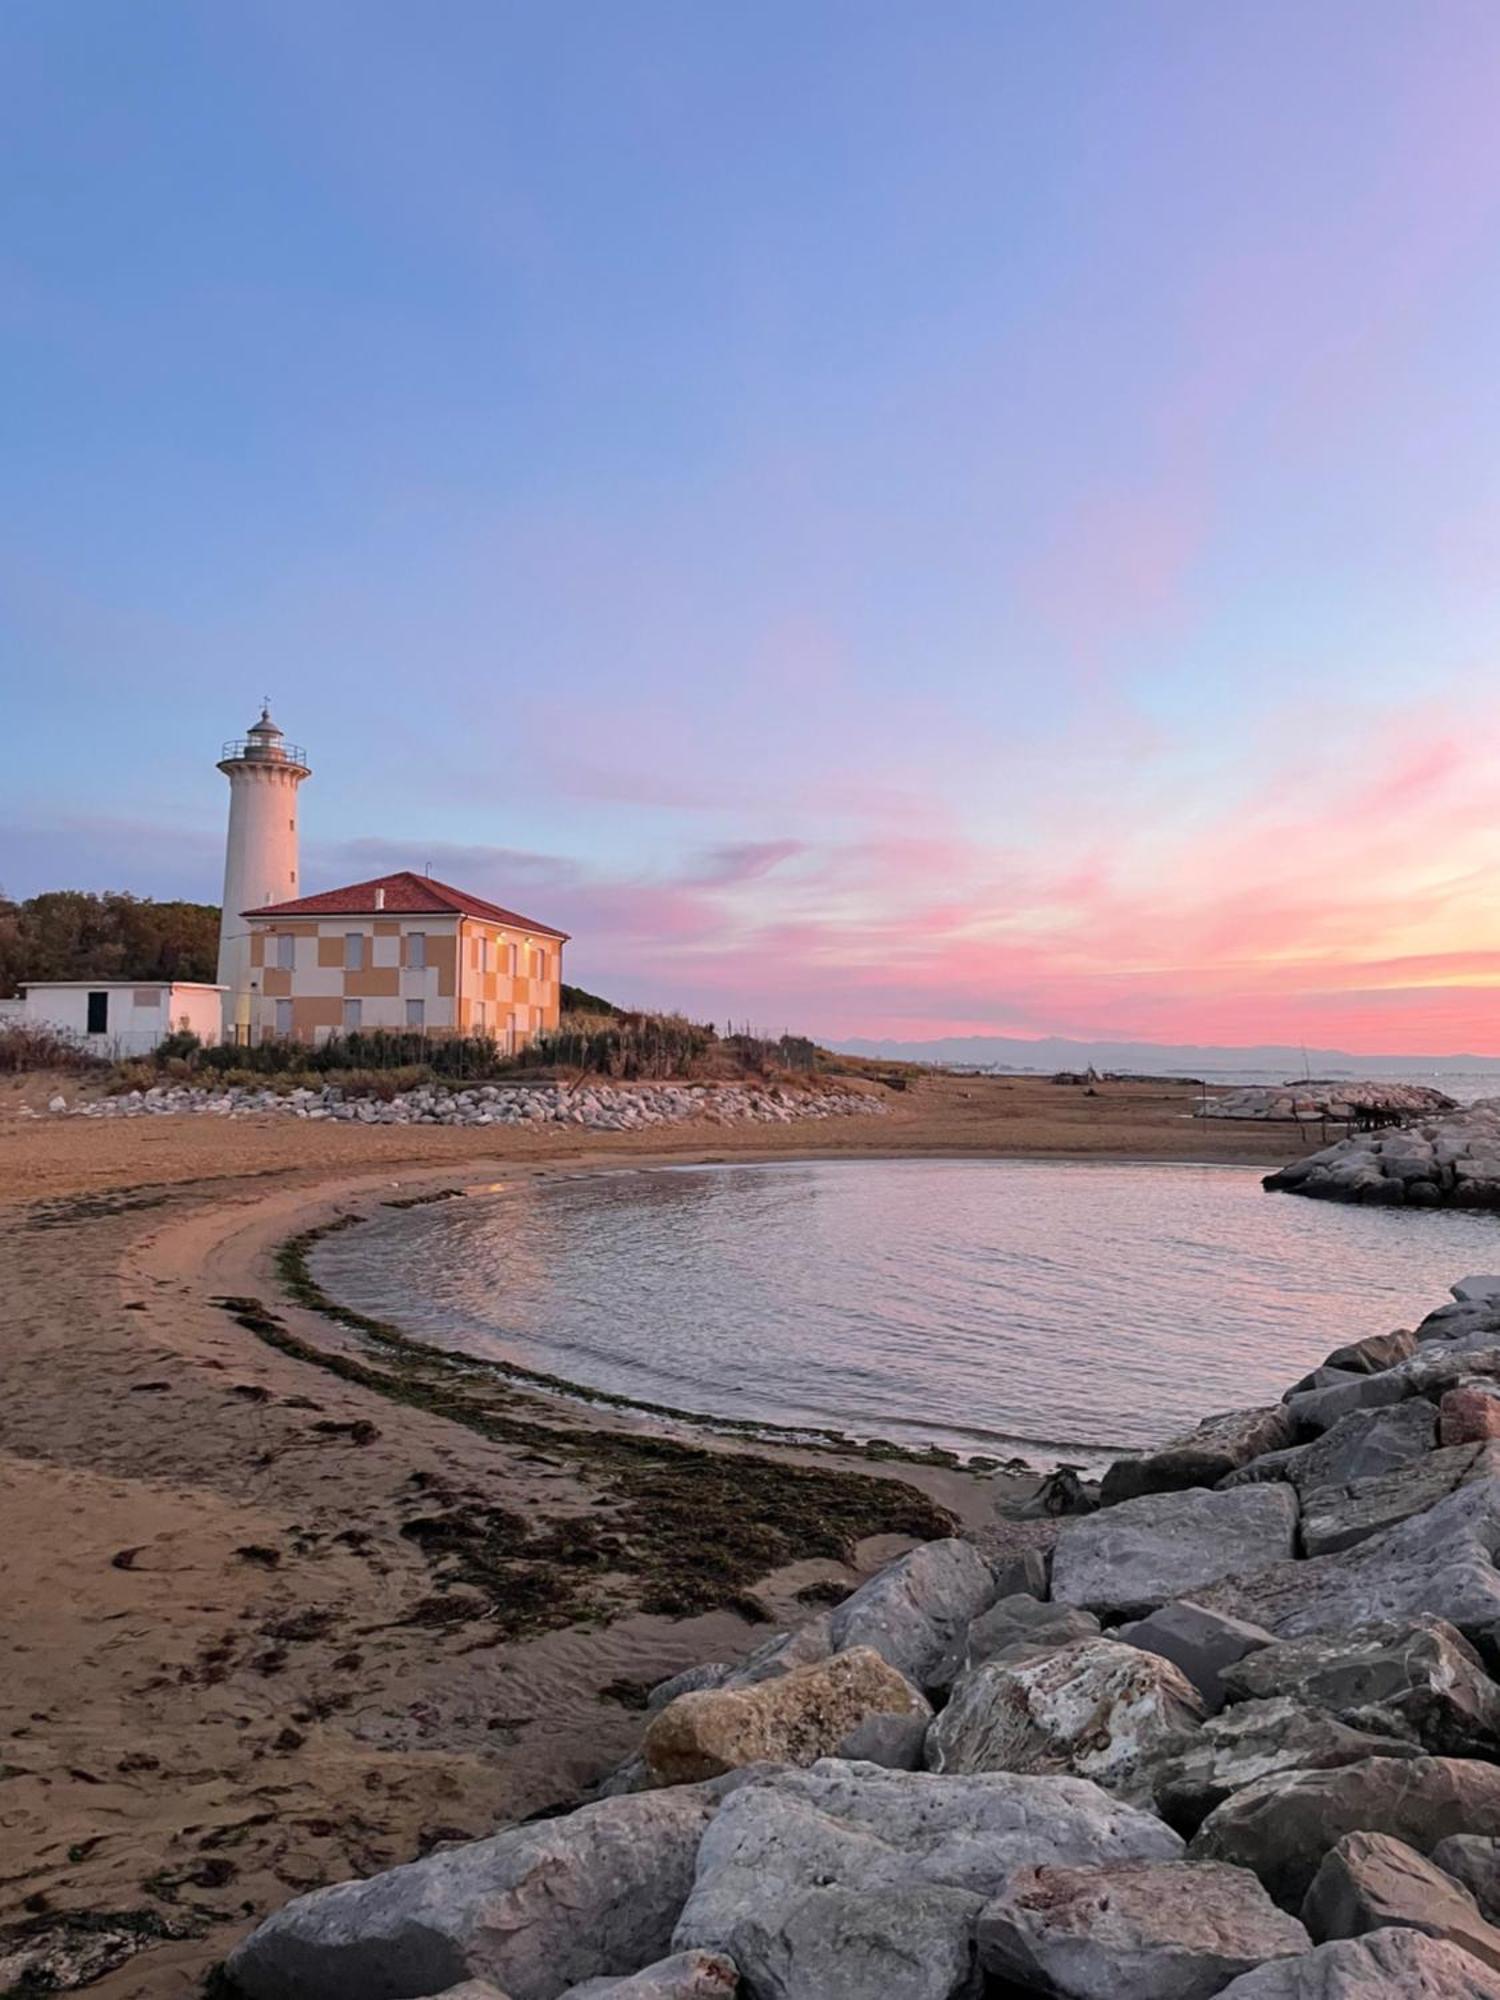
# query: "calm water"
{"points": [[1053, 1309]]}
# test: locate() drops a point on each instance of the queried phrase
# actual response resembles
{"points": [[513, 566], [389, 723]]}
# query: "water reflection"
{"points": [[986, 1305]]}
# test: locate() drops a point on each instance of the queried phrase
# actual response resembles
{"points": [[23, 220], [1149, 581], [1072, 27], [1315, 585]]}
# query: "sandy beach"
{"points": [[280, 1609]]}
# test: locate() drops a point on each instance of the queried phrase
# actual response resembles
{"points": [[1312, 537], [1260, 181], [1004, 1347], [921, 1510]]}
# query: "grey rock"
{"points": [[896, 1742], [1025, 1574], [1422, 1671], [1436, 1368], [1477, 1291], [1283, 1826], [1374, 1353], [783, 1652], [712, 1674], [854, 1827], [915, 1612], [1382, 1966], [913, 1943], [1254, 1740], [534, 1910], [1096, 1708], [1024, 1621], [689, 1975], [1338, 1517], [1370, 1881], [1134, 1930], [1316, 1409], [1363, 1445], [1201, 1642], [1140, 1554], [1202, 1456], [1325, 1376], [474, 1989], [1439, 1562], [1474, 1860]]}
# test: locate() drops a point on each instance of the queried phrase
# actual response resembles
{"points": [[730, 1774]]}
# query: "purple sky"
{"points": [[878, 519]]}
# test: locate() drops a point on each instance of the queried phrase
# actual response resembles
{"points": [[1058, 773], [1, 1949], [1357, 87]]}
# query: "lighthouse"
{"points": [[260, 854]]}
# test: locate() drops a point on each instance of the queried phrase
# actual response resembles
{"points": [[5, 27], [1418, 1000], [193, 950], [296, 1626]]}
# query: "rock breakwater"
{"points": [[596, 1107], [1453, 1159], [1341, 1101], [1187, 1757]]}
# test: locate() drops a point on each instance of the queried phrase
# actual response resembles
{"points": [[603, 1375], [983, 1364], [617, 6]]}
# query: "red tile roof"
{"points": [[407, 894]]}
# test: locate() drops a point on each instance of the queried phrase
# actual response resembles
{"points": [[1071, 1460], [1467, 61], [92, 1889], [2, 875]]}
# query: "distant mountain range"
{"points": [[1165, 1059]]}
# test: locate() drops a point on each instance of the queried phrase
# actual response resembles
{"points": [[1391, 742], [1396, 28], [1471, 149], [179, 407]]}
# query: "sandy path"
{"points": [[213, 1696]]}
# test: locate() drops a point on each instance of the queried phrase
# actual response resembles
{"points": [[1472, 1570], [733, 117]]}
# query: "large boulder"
{"points": [[1133, 1930], [687, 1975], [1282, 1826], [916, 1611], [1254, 1740], [795, 1718], [781, 1653], [1439, 1562], [878, 1833], [1474, 1860], [1317, 1409], [1422, 1672], [1362, 1445], [1370, 1881], [1469, 1413], [1096, 1708], [1131, 1558], [534, 1910], [1199, 1642], [1383, 1966], [1024, 1621], [1202, 1456], [1375, 1353], [914, 1942], [1339, 1517]]}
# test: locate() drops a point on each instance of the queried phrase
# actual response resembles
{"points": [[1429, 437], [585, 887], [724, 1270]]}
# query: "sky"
{"points": [[889, 520]]}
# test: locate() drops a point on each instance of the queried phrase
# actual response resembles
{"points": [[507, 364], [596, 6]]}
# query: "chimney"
{"points": [[380, 899]]}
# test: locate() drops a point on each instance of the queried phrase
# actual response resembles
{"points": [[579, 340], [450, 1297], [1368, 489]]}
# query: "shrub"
{"points": [[33, 1045]]}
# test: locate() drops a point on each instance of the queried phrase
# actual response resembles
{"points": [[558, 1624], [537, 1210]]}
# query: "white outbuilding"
{"points": [[124, 1017]]}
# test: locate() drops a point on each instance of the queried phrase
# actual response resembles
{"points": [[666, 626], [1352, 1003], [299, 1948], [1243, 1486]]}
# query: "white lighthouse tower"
{"points": [[260, 855]]}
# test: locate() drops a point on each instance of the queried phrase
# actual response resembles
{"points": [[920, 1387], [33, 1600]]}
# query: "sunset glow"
{"points": [[878, 525]]}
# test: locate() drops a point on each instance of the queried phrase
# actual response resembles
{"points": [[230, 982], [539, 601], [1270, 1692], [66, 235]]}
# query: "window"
{"points": [[510, 1033], [416, 1014], [416, 951], [481, 1016], [538, 962], [484, 954], [286, 951], [354, 951], [512, 962], [283, 1018], [98, 1014], [351, 1017]]}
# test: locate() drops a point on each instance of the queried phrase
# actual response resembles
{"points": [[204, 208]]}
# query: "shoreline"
{"points": [[245, 1649]]}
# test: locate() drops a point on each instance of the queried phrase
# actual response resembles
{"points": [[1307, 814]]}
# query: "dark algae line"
{"points": [[674, 1528]]}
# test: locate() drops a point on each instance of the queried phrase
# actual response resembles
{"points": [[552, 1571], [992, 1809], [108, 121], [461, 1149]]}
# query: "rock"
{"points": [[1477, 1291], [1218, 1446], [1374, 1353], [793, 1719], [712, 1674], [1370, 1881], [781, 1653], [58, 1103], [1135, 1556], [916, 1611], [1316, 1409], [690, 1975], [906, 1943], [1440, 1562], [1282, 1826], [476, 1989], [1133, 1930], [1383, 1966], [1422, 1671], [1254, 1740], [852, 1827], [1337, 1517], [1096, 1708], [1024, 1574], [1469, 1414], [1200, 1642], [534, 1909], [1362, 1445], [1324, 1376], [1473, 1859], [896, 1742], [1024, 1621]]}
